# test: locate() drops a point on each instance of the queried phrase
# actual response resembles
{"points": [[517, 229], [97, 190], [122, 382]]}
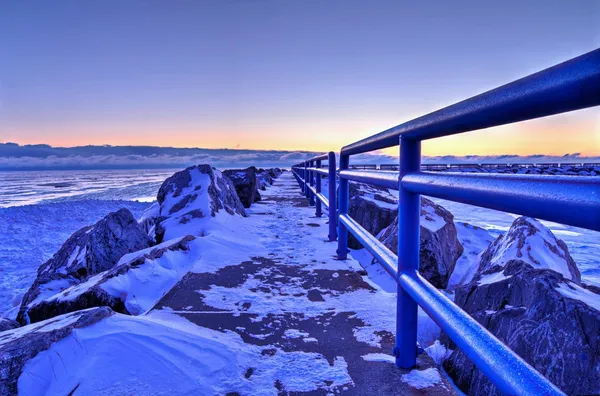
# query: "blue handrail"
{"points": [[573, 200], [306, 173]]}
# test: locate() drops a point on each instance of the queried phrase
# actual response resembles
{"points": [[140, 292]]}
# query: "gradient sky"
{"points": [[311, 75]]}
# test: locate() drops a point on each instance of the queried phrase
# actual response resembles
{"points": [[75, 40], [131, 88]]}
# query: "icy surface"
{"points": [[26, 188]]}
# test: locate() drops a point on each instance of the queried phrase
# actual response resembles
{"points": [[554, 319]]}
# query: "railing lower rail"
{"points": [[572, 200]]}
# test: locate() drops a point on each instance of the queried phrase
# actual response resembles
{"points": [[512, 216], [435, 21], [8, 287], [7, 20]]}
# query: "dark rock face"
{"points": [[89, 251], [536, 307], [7, 324], [92, 294], [372, 207], [440, 248], [245, 182], [16, 349]]}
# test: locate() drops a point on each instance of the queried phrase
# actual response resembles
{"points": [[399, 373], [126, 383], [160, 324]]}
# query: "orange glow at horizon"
{"points": [[557, 135]]}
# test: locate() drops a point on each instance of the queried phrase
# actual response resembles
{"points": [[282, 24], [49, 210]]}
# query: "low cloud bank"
{"points": [[45, 157]]}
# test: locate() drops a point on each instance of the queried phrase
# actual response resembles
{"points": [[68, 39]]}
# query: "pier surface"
{"points": [[298, 298]]}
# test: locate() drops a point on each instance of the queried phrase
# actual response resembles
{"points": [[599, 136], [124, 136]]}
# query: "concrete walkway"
{"points": [[298, 297]]}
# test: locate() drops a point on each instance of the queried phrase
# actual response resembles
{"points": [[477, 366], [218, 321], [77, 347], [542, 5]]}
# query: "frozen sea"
{"points": [[40, 210]]}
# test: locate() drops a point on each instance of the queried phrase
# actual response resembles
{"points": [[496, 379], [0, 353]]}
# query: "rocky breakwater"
{"points": [[376, 210], [128, 266], [528, 292]]}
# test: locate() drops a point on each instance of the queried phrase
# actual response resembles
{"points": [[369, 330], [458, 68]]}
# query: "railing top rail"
{"points": [[571, 85], [321, 157]]}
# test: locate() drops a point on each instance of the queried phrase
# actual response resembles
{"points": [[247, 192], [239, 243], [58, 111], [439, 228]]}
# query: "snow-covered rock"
{"points": [[266, 177], [528, 293], [530, 241], [133, 286], [245, 182], [7, 324], [89, 251], [20, 345], [440, 247], [190, 199]]}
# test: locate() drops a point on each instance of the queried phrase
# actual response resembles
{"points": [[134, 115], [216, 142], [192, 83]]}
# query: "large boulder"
{"points": [[89, 251], [189, 200], [528, 293], [245, 182], [19, 346], [131, 287], [439, 247], [372, 207], [530, 241]]}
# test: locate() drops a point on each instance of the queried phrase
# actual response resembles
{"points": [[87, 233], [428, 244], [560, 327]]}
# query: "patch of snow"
{"points": [[475, 241], [571, 290], [493, 278], [422, 379], [431, 220], [379, 357], [438, 352], [294, 333], [49, 289]]}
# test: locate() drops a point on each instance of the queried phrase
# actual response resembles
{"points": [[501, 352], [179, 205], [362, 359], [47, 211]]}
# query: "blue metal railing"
{"points": [[572, 200], [309, 174]]}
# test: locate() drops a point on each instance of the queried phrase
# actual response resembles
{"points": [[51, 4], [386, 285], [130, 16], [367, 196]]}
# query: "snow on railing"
{"points": [[572, 200]]}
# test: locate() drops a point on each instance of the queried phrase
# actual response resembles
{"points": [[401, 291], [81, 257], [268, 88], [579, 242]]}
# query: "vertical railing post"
{"points": [[332, 197], [301, 176], [306, 190], [409, 211], [319, 209], [342, 250], [311, 182]]}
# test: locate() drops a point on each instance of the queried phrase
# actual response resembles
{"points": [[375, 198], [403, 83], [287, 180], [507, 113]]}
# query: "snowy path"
{"points": [[322, 328]]}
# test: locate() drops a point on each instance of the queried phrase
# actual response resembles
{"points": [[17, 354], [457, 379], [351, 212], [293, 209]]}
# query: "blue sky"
{"points": [[310, 75]]}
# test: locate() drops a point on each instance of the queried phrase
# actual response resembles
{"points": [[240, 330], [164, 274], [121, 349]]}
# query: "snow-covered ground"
{"points": [[166, 351]]}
